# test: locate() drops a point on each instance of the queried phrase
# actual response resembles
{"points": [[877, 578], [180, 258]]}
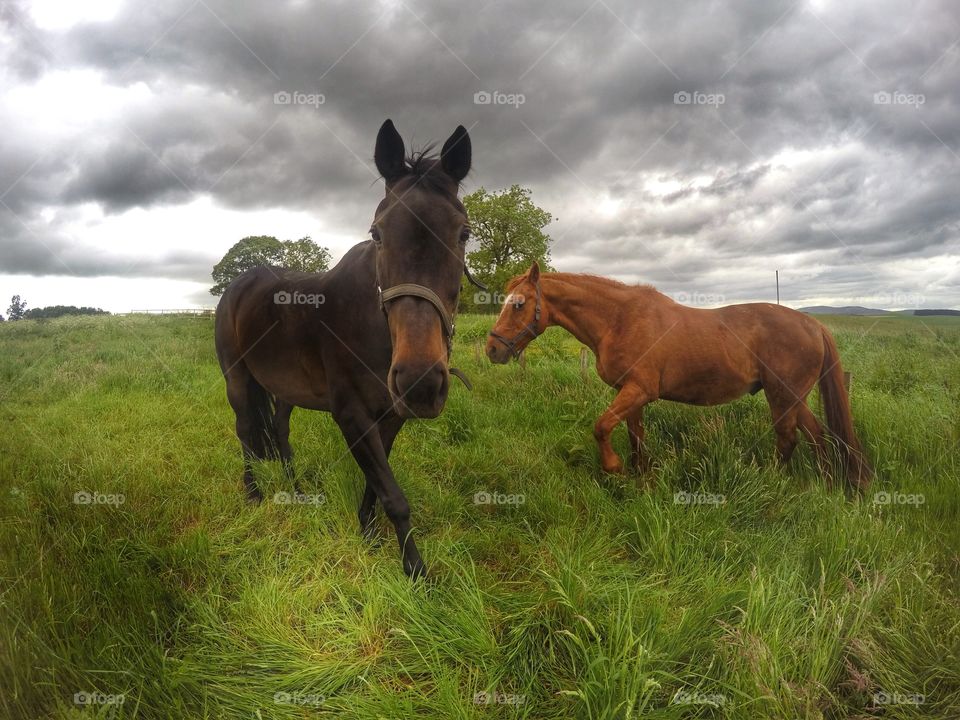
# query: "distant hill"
{"points": [[845, 310], [858, 310]]}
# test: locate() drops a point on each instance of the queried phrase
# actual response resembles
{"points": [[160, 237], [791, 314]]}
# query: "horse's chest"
{"points": [[610, 370]]}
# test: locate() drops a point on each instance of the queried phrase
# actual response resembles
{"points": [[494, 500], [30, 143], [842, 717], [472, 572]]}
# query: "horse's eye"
{"points": [[464, 235], [518, 305], [375, 234]]}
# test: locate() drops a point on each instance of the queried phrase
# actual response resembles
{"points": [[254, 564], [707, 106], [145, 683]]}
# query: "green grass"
{"points": [[594, 598]]}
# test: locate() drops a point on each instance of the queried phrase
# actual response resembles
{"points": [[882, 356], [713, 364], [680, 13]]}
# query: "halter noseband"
{"points": [[529, 329], [425, 293]]}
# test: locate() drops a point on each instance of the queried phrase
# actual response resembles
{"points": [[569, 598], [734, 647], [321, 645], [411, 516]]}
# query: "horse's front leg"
{"points": [[363, 438], [630, 399], [638, 458], [388, 428]]}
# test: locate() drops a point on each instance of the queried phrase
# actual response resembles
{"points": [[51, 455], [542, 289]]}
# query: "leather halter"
{"points": [[425, 293], [529, 329]]}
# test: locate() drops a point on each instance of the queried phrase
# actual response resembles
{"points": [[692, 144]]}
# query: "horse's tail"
{"points": [[262, 406], [836, 408]]}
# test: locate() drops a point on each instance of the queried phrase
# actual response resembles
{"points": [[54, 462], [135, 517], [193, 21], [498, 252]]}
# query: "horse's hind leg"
{"points": [[813, 431], [238, 394], [281, 423], [785, 424], [628, 401]]}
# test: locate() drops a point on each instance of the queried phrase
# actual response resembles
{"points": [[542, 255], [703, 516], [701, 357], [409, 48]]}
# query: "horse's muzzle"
{"points": [[419, 391], [497, 352]]}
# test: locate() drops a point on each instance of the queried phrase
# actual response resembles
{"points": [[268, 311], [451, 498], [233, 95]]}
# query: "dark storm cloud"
{"points": [[600, 119]]}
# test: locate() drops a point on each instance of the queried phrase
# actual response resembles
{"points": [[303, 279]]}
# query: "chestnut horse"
{"points": [[649, 347], [369, 341]]}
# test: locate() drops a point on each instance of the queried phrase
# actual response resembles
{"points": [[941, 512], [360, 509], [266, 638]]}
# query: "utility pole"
{"points": [[778, 286]]}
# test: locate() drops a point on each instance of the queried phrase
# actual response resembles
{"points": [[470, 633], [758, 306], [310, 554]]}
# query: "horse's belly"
{"points": [[289, 383], [708, 387]]}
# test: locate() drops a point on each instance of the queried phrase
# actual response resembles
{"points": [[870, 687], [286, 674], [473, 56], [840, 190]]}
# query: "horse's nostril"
{"points": [[419, 385]]}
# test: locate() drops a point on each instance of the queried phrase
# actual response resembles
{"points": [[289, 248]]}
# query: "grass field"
{"points": [[585, 597]]}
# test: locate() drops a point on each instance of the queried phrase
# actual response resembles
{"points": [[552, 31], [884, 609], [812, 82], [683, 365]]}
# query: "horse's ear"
{"points": [[389, 153], [534, 273], [456, 155]]}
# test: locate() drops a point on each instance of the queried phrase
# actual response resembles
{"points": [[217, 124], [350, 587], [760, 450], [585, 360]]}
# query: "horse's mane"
{"points": [[580, 278], [425, 170]]}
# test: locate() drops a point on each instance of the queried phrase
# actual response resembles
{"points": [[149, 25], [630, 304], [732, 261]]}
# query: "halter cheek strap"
{"points": [[529, 329]]}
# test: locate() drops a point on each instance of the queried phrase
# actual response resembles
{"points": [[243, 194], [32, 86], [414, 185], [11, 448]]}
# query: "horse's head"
{"points": [[523, 317], [420, 230]]}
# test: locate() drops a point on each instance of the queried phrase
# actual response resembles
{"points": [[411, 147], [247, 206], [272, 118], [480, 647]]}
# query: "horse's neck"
{"points": [[583, 311]]}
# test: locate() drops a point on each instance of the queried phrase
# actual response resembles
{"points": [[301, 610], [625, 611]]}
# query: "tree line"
{"points": [[18, 311]]}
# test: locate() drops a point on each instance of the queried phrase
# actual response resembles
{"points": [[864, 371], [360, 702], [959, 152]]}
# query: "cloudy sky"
{"points": [[697, 146]]}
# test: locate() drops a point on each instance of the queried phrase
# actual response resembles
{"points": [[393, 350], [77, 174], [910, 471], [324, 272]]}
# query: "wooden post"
{"points": [[584, 361], [523, 359], [478, 352]]}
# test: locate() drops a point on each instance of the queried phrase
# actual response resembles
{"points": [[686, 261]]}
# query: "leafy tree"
{"points": [[508, 228], [17, 308], [303, 254]]}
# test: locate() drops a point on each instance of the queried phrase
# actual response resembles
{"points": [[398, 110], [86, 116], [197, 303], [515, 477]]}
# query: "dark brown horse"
{"points": [[337, 342], [648, 347]]}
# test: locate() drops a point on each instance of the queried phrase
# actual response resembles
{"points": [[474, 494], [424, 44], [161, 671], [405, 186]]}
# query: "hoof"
{"points": [[417, 571], [254, 496]]}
